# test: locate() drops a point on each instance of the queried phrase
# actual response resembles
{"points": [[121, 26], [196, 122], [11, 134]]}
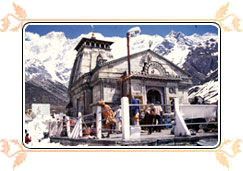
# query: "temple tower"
{"points": [[90, 53]]}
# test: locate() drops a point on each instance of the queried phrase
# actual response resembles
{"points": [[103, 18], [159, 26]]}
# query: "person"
{"points": [[195, 100], [72, 124], [64, 124], [118, 121], [134, 113], [158, 115], [27, 139], [172, 102], [109, 115], [86, 131], [150, 112]]}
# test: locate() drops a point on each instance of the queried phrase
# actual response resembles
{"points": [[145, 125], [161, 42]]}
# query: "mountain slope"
{"points": [[202, 60], [46, 91], [208, 91]]}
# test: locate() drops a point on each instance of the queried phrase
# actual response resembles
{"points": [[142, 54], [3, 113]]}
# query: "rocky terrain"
{"points": [[46, 91], [207, 90]]}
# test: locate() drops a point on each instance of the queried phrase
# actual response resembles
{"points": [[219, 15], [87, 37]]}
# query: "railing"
{"points": [[55, 128], [184, 112], [181, 112], [99, 120], [163, 120]]}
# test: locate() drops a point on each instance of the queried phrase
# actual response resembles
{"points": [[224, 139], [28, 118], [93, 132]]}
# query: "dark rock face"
{"points": [[201, 60], [46, 91], [202, 57]]}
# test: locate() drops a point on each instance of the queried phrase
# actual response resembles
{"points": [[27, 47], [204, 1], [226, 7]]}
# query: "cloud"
{"points": [[31, 36]]}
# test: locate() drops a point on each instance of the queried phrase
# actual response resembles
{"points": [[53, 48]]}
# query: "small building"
{"points": [[96, 75]]}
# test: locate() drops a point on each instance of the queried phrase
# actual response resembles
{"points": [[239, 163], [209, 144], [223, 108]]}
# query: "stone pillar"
{"points": [[68, 127], [80, 124], [167, 99], [98, 122], [180, 125], [144, 94], [125, 118]]}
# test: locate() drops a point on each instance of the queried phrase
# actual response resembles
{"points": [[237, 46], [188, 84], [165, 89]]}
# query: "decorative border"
{"points": [[20, 16], [222, 16], [222, 155], [19, 155]]}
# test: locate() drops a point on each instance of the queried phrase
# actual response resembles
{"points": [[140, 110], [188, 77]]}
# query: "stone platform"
{"points": [[163, 138]]}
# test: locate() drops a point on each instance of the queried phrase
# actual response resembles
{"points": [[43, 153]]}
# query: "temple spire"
{"points": [[92, 28]]}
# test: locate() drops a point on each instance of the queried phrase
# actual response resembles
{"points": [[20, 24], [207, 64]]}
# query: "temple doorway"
{"points": [[153, 96]]}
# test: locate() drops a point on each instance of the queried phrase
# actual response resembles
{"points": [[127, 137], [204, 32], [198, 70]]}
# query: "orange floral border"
{"points": [[20, 155], [221, 17], [222, 155], [20, 15]]}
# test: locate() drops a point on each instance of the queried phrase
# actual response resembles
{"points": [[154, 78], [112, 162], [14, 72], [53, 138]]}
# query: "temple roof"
{"points": [[137, 74], [91, 40], [133, 55]]}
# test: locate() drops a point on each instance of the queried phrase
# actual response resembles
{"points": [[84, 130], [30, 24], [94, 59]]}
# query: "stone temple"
{"points": [[97, 75]]}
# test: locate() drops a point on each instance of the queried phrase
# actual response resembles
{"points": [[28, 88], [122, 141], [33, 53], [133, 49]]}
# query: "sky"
{"points": [[120, 30]]}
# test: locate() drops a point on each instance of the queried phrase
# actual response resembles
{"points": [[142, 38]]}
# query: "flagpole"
{"points": [[129, 69]]}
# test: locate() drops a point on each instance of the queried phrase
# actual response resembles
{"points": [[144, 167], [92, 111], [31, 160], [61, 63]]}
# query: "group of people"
{"points": [[152, 115], [64, 125]]}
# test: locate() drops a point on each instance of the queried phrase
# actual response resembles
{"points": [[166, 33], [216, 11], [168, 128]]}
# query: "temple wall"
{"points": [[104, 84]]}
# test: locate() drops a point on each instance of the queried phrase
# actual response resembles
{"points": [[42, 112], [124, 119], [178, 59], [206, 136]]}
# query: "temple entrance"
{"points": [[153, 96]]}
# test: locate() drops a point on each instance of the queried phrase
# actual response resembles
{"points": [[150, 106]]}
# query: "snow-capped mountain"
{"points": [[176, 46], [208, 91], [51, 56], [202, 60]]}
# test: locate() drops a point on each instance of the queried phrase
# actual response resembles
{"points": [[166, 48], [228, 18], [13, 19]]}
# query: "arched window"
{"points": [[154, 68]]}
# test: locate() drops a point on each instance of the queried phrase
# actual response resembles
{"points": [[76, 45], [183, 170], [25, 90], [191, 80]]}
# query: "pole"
{"points": [[129, 69]]}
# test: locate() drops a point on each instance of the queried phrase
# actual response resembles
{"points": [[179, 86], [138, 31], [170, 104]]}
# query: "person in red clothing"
{"points": [[27, 139], [72, 124]]}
